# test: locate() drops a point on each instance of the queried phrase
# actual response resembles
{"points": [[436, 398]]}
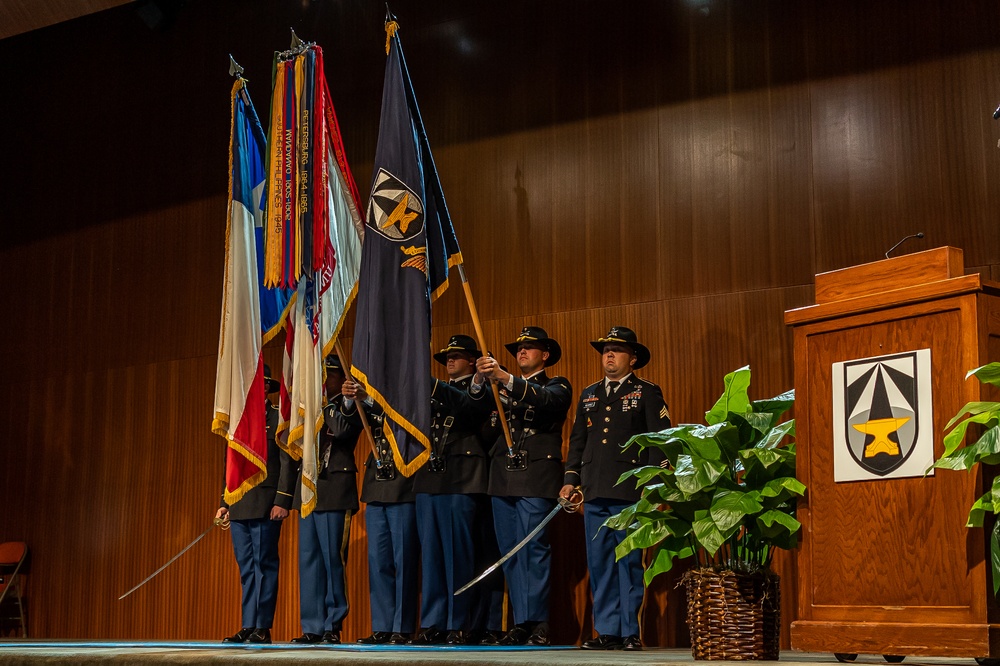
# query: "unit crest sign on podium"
{"points": [[883, 417]]}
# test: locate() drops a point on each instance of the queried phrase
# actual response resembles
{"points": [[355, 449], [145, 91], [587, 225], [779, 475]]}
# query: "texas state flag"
{"points": [[251, 314]]}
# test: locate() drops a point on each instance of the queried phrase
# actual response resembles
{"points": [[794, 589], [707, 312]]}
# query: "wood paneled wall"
{"points": [[683, 168]]}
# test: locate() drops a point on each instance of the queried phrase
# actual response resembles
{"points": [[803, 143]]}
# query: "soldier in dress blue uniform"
{"points": [[393, 546], [609, 413], [324, 534], [446, 506], [525, 478], [255, 529]]}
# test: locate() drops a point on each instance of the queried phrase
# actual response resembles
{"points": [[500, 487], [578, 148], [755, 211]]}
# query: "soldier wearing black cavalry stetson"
{"points": [[525, 479], [446, 486], [609, 413]]}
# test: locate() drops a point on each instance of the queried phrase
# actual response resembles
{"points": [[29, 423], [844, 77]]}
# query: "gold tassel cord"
{"points": [[390, 31]]}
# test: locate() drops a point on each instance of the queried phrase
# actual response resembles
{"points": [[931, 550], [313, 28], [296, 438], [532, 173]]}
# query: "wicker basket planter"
{"points": [[734, 616]]}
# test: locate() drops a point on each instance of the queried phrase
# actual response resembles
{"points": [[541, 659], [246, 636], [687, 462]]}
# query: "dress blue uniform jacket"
{"points": [[603, 425], [446, 505], [536, 410]]}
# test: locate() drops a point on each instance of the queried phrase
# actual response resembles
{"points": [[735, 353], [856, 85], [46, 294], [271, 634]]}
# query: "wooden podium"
{"points": [[888, 566]]}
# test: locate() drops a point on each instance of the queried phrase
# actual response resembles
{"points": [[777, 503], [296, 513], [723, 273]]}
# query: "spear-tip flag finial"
{"points": [[234, 68]]}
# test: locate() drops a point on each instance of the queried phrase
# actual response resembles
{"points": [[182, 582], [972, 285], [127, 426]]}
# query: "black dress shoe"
{"points": [[260, 636], [539, 635], [632, 643], [240, 636], [398, 639], [430, 636], [490, 638], [377, 638], [331, 637], [455, 638], [603, 642], [519, 635], [308, 639]]}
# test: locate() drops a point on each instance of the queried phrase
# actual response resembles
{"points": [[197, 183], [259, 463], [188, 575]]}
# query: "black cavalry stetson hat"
{"points": [[537, 334], [459, 343], [270, 383], [625, 336]]}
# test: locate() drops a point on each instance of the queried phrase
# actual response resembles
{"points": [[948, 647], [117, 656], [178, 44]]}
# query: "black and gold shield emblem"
{"points": [[394, 210], [881, 411]]}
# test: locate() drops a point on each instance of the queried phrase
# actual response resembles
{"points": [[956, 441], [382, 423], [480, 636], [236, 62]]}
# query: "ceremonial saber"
{"points": [[563, 505], [223, 522]]}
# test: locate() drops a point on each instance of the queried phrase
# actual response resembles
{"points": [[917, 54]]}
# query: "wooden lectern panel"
{"points": [[893, 546], [909, 270], [888, 566]]}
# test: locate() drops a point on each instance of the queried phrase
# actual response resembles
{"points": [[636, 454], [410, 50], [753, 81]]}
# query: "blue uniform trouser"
{"points": [[255, 544], [393, 566], [528, 571], [486, 603], [444, 523], [617, 586], [323, 541]]}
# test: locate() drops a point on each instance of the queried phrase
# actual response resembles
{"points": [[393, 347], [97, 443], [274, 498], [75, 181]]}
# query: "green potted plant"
{"points": [[986, 449], [725, 494]]}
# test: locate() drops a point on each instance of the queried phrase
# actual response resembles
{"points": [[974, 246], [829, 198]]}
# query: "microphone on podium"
{"points": [[919, 234], [996, 114]]}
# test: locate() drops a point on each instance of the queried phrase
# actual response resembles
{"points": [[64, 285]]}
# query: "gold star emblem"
{"points": [[400, 215], [880, 429]]}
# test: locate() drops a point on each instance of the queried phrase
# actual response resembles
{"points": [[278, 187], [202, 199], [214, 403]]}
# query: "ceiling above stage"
{"points": [[20, 16]]}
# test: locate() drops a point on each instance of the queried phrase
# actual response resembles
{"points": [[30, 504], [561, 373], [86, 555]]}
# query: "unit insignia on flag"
{"points": [[394, 210]]}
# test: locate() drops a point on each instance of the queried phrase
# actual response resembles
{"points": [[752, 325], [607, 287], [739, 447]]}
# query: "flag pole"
{"points": [[482, 345], [346, 363]]}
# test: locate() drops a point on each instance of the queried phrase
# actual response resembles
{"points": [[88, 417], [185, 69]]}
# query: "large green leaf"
{"points": [[988, 503], [780, 521], [973, 408], [733, 399], [730, 508], [644, 537], [704, 473], [989, 373], [707, 533], [986, 449], [784, 486], [759, 421], [774, 436], [778, 528], [664, 493], [645, 474], [777, 405], [956, 436], [664, 555], [979, 509]]}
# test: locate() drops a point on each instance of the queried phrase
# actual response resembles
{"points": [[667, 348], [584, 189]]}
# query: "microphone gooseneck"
{"points": [[919, 234]]}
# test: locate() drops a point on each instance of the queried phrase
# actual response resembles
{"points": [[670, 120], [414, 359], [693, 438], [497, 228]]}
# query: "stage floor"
{"points": [[135, 652]]}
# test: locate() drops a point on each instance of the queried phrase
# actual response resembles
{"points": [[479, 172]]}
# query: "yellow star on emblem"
{"points": [[400, 215], [880, 429]]}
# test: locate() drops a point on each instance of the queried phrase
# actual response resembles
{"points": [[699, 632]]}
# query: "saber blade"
{"points": [[563, 504], [171, 560]]}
